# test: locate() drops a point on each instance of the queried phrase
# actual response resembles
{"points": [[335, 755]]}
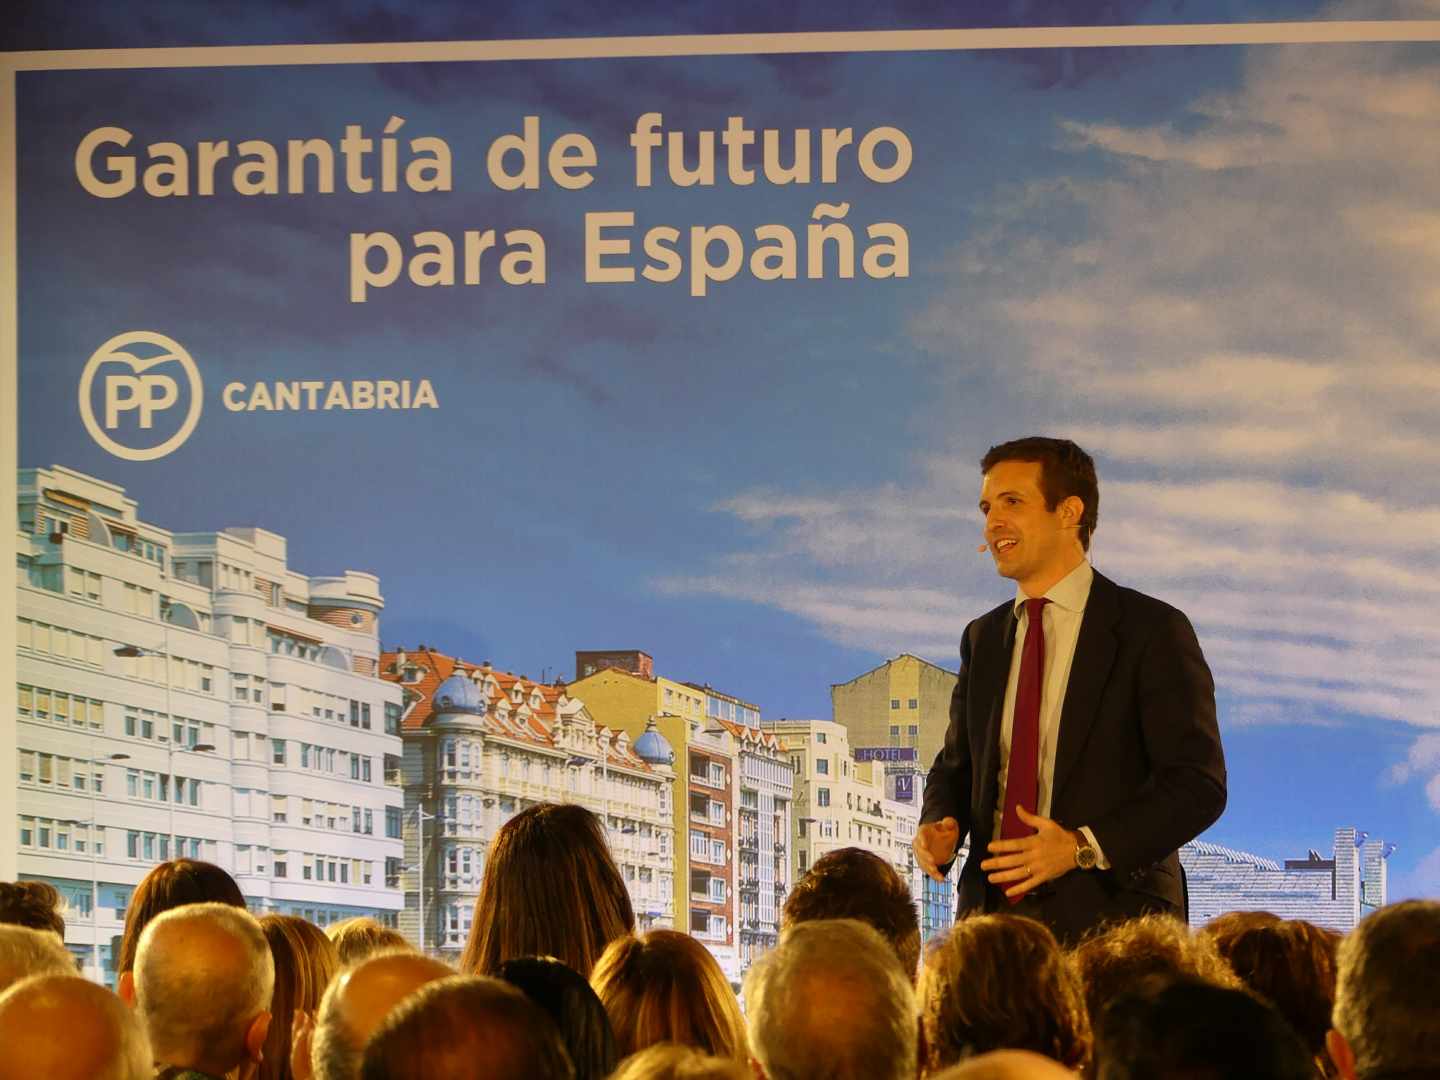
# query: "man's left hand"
{"points": [[1029, 861]]}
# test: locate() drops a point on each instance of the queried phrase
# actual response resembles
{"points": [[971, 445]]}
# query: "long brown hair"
{"points": [[170, 885], [305, 962], [664, 986], [550, 889]]}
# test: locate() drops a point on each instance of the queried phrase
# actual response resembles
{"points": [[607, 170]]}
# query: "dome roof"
{"points": [[459, 694], [653, 748]]}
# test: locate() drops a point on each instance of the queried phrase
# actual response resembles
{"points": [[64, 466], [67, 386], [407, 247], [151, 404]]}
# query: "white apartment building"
{"points": [[187, 694], [840, 802], [480, 746], [1335, 892]]}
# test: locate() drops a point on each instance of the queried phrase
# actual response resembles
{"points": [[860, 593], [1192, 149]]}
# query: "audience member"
{"points": [[1007, 1065], [467, 1027], [1387, 995], [35, 904], [671, 1061], [1292, 966], [997, 982], [170, 885], [1189, 1027], [1115, 958], [851, 883], [550, 889], [354, 1004], [362, 936], [832, 1001], [202, 984], [25, 952], [578, 1013], [305, 962], [1223, 929], [664, 986], [63, 1027]]}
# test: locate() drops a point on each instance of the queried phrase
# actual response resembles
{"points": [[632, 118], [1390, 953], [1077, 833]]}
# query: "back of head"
{"points": [[358, 1000], [1001, 981], [1066, 470], [1190, 1029], [467, 1026], [832, 1001], [1006, 1065], [1387, 990], [203, 973], [665, 986], [1292, 966], [1224, 929], [355, 939], [305, 962], [550, 888], [170, 885], [63, 1027], [1112, 960], [852, 883], [578, 1013], [25, 952], [35, 904], [671, 1061]]}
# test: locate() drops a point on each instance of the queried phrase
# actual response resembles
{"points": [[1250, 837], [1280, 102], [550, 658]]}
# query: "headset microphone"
{"points": [[982, 549]]}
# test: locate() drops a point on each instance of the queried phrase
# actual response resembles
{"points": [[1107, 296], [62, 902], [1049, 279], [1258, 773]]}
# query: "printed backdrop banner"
{"points": [[693, 347]]}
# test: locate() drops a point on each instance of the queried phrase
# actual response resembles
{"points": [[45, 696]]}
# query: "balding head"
{"points": [[1007, 1065], [25, 952], [203, 980], [358, 999], [63, 1027]]}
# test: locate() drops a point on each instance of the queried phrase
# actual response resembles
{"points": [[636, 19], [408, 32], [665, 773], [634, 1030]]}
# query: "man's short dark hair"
{"points": [[35, 904], [1192, 1028], [1065, 470], [1387, 986], [852, 883]]}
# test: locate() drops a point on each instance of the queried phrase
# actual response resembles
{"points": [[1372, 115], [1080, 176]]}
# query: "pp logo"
{"points": [[138, 385]]}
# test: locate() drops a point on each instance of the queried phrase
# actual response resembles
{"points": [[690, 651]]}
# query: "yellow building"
{"points": [[621, 690], [903, 702]]}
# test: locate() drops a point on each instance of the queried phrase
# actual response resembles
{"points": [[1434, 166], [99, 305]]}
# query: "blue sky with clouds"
{"points": [[1212, 266]]}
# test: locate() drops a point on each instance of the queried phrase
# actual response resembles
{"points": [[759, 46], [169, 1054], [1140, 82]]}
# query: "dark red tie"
{"points": [[1022, 779]]}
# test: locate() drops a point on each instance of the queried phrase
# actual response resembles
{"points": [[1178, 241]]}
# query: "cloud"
{"points": [[1235, 311], [1422, 883]]}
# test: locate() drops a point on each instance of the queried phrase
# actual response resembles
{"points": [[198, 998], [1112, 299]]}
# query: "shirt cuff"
{"points": [[1101, 862]]}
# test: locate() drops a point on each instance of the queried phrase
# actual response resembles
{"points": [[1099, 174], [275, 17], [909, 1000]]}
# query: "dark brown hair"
{"points": [[35, 904], [550, 889], [305, 962], [170, 885], [1065, 470], [852, 883], [664, 986], [1292, 966], [1001, 982]]}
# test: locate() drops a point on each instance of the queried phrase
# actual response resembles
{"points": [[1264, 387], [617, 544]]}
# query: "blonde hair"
{"points": [[664, 986], [355, 939], [305, 962], [671, 1061], [1114, 959]]}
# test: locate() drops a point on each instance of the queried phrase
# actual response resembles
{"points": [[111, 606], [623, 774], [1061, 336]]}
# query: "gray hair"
{"points": [[192, 996], [25, 952], [1387, 983], [832, 1001], [335, 1052]]}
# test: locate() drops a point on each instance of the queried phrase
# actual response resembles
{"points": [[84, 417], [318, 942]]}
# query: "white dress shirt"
{"points": [[1062, 618]]}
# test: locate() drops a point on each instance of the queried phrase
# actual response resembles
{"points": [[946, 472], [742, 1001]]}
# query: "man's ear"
{"points": [[255, 1036], [125, 987], [1340, 1054], [1072, 511], [302, 1032]]}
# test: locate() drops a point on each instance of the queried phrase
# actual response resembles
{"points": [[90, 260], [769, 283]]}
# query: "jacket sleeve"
{"points": [[1185, 790], [949, 782]]}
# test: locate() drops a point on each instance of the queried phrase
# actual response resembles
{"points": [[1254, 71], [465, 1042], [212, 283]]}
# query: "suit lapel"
{"points": [[1095, 650], [992, 672]]}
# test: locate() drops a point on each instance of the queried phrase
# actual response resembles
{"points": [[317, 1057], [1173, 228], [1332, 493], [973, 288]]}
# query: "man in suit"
{"points": [[1082, 750]]}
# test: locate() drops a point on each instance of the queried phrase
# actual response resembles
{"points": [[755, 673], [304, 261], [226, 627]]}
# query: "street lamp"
{"points": [[95, 866]]}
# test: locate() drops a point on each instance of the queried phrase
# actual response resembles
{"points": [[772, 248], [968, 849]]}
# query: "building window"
{"points": [[894, 703], [392, 718], [277, 751], [393, 817], [822, 796], [822, 766], [912, 704]]}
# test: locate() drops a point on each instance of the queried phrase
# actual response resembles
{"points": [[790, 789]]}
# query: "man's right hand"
{"points": [[935, 844]]}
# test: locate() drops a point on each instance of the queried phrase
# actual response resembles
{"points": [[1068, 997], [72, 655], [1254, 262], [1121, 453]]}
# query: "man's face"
{"points": [[1029, 543]]}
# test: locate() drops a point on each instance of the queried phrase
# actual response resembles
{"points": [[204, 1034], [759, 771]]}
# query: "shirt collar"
{"points": [[1071, 592]]}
